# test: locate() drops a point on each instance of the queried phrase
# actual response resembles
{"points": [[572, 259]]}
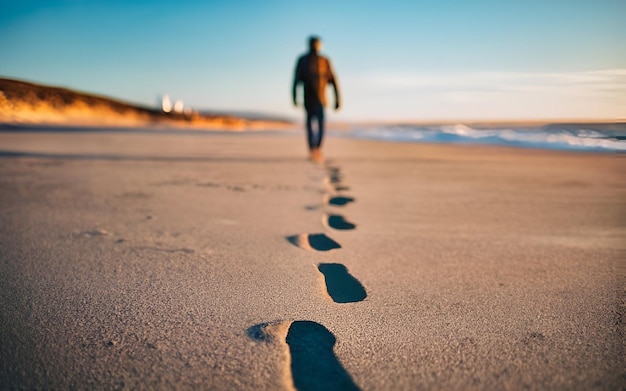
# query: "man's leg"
{"points": [[309, 129], [320, 125]]}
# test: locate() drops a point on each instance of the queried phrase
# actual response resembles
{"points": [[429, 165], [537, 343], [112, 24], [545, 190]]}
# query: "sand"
{"points": [[228, 261]]}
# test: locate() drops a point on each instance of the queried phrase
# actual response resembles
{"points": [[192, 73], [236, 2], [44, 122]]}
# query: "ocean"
{"points": [[582, 137]]}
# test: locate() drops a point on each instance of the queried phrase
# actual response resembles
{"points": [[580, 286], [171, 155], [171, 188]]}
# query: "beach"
{"points": [[182, 260]]}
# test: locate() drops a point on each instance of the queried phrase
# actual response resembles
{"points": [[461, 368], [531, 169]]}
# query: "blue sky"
{"points": [[396, 60]]}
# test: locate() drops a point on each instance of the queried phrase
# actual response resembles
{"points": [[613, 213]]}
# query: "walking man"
{"points": [[314, 72]]}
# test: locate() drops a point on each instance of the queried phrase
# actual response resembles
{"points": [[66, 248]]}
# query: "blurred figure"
{"points": [[314, 72]]}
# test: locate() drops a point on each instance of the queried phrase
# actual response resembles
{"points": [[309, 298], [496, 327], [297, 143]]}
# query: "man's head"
{"points": [[315, 44]]}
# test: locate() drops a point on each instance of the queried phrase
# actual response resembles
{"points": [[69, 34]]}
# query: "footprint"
{"points": [[335, 178], [340, 200], [334, 174], [314, 365], [340, 284], [332, 187], [338, 222], [333, 171], [311, 361], [341, 188], [268, 331], [317, 242]]}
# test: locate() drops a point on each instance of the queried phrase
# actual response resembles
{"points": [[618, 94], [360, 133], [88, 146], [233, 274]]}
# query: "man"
{"points": [[314, 72]]}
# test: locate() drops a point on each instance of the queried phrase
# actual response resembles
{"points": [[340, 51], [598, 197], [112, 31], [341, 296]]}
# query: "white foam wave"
{"points": [[546, 137]]}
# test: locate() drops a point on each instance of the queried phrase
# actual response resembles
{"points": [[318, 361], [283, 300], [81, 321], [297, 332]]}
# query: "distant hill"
{"points": [[28, 103]]}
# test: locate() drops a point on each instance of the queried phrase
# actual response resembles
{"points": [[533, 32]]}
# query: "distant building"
{"points": [[166, 104], [178, 106]]}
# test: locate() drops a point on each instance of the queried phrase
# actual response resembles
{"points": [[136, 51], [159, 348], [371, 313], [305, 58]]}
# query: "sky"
{"points": [[395, 60]]}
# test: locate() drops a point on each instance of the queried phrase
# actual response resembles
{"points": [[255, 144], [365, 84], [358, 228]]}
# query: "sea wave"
{"points": [[566, 137]]}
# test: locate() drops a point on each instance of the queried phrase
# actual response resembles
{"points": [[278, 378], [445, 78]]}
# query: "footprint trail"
{"points": [[307, 347]]}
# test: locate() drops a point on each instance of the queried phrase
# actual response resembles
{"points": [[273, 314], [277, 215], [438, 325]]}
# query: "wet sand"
{"points": [[228, 261]]}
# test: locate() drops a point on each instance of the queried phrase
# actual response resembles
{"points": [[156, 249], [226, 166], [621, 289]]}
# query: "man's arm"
{"points": [[296, 80], [333, 81]]}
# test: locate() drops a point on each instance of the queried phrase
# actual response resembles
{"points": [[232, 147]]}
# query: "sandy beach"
{"points": [[148, 260]]}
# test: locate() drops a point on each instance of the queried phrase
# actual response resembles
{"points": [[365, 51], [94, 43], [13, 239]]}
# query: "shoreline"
{"points": [[295, 130]]}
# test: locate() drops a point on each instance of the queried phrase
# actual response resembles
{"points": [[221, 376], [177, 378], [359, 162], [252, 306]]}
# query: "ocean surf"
{"points": [[584, 137]]}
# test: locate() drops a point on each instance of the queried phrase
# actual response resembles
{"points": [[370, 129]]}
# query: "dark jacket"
{"points": [[314, 72]]}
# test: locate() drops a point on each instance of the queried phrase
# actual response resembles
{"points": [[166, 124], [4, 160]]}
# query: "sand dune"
{"points": [[28, 103]]}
